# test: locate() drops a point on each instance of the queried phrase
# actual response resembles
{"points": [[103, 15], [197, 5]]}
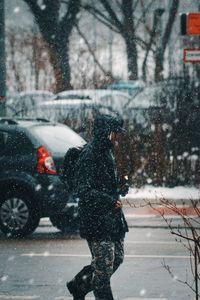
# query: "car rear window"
{"points": [[13, 143], [57, 138]]}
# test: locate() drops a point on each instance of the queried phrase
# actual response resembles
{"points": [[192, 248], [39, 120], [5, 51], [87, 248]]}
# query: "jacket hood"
{"points": [[105, 124]]}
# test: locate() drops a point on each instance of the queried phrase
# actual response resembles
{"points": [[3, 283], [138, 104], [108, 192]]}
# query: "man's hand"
{"points": [[118, 204]]}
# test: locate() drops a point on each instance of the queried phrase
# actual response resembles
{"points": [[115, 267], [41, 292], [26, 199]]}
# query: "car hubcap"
{"points": [[14, 213]]}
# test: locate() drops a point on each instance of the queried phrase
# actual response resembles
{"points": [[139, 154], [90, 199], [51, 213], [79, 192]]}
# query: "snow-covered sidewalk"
{"points": [[155, 193], [136, 202]]}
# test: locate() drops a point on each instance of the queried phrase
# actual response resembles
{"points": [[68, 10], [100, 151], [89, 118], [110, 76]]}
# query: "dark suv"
{"points": [[31, 156]]}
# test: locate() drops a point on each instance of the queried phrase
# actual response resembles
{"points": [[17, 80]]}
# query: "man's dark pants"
{"points": [[106, 258]]}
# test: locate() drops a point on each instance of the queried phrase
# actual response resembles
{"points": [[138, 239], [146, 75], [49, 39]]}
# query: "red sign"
{"points": [[192, 55], [193, 24]]}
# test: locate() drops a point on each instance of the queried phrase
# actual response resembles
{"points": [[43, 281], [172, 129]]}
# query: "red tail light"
{"points": [[45, 163]]}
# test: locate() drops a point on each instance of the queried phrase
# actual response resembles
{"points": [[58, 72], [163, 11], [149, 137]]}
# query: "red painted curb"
{"points": [[159, 211]]}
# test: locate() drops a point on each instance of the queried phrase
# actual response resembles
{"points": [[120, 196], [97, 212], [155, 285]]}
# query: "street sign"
{"points": [[191, 55], [193, 24]]}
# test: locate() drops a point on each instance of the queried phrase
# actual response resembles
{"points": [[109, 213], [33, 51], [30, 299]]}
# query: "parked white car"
{"points": [[115, 100], [24, 103], [155, 100]]}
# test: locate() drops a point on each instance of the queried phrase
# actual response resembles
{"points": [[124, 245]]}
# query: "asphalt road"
{"points": [[37, 267]]}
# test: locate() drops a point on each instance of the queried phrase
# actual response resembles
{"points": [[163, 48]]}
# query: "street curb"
{"points": [[153, 222]]}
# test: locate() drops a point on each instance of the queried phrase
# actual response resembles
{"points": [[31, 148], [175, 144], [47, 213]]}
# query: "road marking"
{"points": [[145, 299], [158, 256], [9, 297], [152, 242], [87, 255], [92, 298], [70, 298]]}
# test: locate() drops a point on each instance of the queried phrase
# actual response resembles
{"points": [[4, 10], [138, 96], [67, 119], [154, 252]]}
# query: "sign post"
{"points": [[2, 59]]}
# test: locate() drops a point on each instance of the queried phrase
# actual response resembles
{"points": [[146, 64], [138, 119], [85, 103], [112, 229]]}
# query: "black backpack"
{"points": [[70, 166]]}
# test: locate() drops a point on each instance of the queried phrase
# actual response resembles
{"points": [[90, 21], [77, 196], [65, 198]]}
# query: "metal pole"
{"points": [[2, 59], [94, 46], [110, 50], [196, 268]]}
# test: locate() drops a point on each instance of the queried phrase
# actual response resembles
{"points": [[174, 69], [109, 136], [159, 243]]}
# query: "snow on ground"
{"points": [[150, 192]]}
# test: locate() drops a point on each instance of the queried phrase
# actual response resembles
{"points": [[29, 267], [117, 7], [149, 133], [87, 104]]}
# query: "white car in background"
{"points": [[156, 100], [115, 100], [24, 103]]}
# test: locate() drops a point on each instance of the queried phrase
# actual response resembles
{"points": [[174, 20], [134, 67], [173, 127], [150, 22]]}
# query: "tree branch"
{"points": [[90, 50], [69, 20], [113, 15], [172, 15], [101, 18]]}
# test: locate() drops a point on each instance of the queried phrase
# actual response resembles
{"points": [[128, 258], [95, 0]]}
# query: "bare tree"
{"points": [[119, 17], [160, 49], [126, 17], [56, 30], [188, 234], [159, 40]]}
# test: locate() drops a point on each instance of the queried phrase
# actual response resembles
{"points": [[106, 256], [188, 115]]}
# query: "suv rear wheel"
{"points": [[18, 217]]}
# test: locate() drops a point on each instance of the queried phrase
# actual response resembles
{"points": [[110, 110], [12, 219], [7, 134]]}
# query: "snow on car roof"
{"points": [[92, 93], [64, 102]]}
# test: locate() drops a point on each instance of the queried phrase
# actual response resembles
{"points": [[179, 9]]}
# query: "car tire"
{"points": [[65, 222], [18, 216]]}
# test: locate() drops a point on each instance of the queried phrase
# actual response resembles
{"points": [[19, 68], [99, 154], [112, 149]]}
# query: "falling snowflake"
{"points": [[43, 7], [143, 292], [46, 253], [4, 278], [50, 187], [60, 280], [38, 187], [16, 10], [31, 281], [175, 277], [148, 234], [149, 180], [11, 258]]}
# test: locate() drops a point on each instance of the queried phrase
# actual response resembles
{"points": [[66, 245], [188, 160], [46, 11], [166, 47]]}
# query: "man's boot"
{"points": [[74, 291], [80, 285]]}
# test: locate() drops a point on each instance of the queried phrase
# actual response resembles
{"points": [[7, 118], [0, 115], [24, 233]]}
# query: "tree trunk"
{"points": [[159, 60], [56, 31], [128, 32], [131, 57], [164, 40], [59, 58]]}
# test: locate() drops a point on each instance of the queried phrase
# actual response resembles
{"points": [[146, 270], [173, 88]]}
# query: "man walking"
{"points": [[102, 222]]}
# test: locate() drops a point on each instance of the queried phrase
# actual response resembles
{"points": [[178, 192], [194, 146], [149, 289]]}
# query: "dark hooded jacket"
{"points": [[97, 187]]}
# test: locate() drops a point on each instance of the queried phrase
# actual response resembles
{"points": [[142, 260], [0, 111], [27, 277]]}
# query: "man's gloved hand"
{"points": [[124, 190]]}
